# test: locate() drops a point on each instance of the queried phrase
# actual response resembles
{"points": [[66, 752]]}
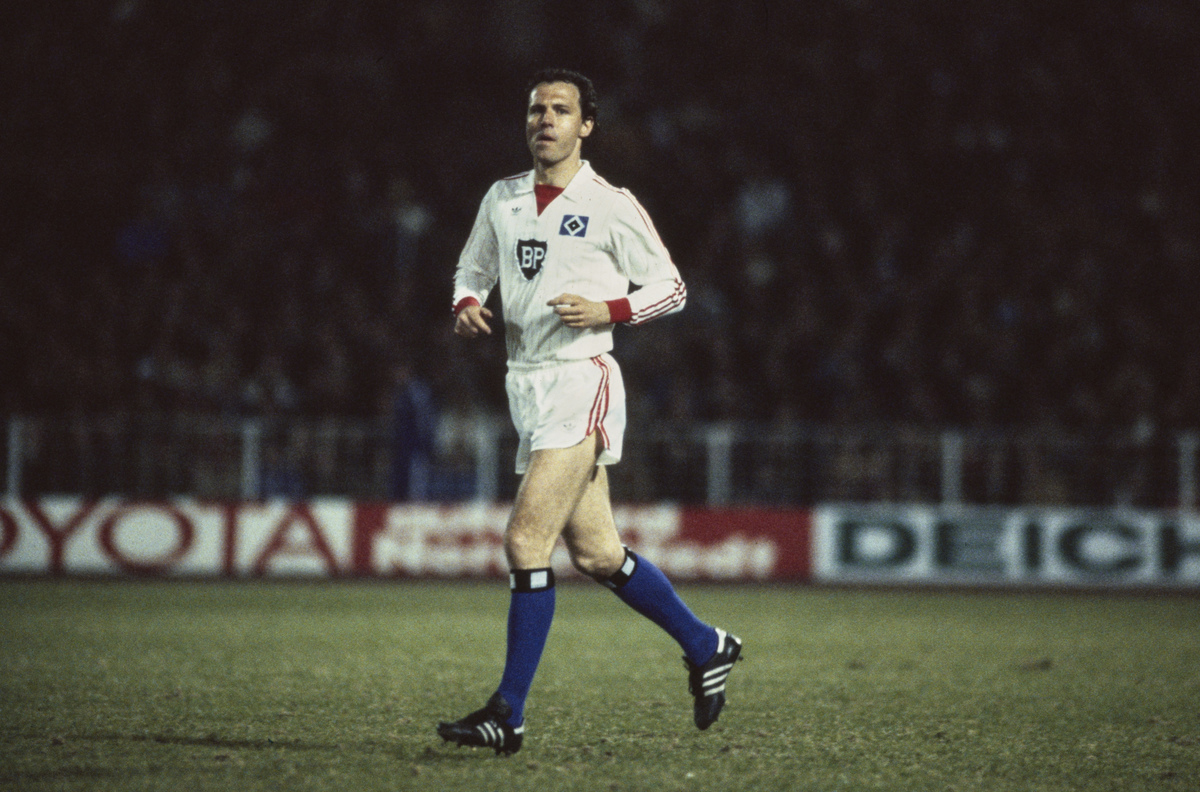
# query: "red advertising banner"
{"points": [[334, 537]]}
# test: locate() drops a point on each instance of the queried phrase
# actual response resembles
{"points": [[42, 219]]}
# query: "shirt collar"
{"points": [[581, 177]]}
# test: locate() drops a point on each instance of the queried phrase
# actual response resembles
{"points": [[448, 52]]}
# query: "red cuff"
{"points": [[619, 310], [463, 303]]}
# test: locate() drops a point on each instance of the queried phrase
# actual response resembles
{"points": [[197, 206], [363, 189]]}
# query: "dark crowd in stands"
{"points": [[932, 213]]}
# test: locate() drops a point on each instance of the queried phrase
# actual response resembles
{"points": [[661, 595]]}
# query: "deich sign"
{"points": [[986, 546]]}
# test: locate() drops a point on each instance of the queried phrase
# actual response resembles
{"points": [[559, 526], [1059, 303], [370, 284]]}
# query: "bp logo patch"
{"points": [[573, 225], [530, 254]]}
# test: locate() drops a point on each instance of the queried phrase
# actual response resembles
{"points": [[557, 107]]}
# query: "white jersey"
{"points": [[593, 240]]}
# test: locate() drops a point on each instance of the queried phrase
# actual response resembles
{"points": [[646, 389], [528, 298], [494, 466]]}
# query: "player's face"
{"points": [[554, 125]]}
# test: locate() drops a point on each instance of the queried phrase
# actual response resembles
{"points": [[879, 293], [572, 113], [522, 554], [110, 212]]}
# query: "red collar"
{"points": [[545, 194]]}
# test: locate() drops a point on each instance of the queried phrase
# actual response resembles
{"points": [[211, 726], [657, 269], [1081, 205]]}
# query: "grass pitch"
{"points": [[299, 686]]}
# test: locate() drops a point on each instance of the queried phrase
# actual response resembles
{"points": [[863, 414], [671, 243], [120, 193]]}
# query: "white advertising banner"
{"points": [[1118, 548], [178, 537]]}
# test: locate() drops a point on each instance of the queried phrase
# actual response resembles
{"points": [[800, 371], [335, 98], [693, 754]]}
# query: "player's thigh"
{"points": [[591, 533], [548, 495]]}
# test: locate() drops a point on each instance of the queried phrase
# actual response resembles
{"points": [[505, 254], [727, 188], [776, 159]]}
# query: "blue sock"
{"points": [[530, 613], [643, 587]]}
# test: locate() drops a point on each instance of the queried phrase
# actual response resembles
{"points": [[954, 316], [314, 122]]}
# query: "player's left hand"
{"points": [[575, 311]]}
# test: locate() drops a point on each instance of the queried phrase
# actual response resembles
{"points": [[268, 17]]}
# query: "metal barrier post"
{"points": [[952, 466], [16, 438], [1189, 444], [251, 458], [487, 462], [718, 450]]}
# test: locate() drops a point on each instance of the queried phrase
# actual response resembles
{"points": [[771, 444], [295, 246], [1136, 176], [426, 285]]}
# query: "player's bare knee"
{"points": [[598, 566], [586, 565], [522, 550]]}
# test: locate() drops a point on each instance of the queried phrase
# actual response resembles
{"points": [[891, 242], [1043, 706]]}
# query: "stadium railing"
{"points": [[792, 464]]}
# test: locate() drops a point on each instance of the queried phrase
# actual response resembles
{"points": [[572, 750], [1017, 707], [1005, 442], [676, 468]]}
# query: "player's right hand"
{"points": [[472, 320]]}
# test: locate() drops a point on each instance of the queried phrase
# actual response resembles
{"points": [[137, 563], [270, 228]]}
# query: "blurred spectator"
{"points": [[282, 475], [413, 426]]}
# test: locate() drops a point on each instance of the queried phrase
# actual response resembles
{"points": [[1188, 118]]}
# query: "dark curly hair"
{"points": [[588, 101]]}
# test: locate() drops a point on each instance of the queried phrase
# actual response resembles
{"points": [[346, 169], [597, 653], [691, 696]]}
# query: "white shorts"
{"points": [[559, 404]]}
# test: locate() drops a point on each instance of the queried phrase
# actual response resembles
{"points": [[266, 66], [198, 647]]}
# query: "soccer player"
{"points": [[565, 246]]}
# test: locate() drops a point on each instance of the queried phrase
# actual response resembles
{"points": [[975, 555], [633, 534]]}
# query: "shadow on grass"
{"points": [[430, 751], [16, 780], [218, 742], [207, 741], [445, 753]]}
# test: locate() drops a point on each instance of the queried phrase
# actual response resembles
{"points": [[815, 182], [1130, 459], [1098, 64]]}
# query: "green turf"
{"points": [[290, 686]]}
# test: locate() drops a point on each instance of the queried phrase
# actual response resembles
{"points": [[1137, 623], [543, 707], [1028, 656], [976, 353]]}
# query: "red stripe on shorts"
{"points": [[600, 403]]}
